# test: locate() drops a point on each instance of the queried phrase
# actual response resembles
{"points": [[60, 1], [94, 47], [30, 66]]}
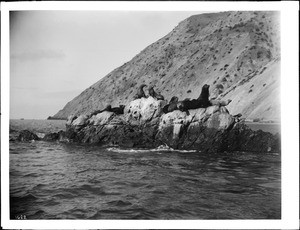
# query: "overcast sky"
{"points": [[55, 55]]}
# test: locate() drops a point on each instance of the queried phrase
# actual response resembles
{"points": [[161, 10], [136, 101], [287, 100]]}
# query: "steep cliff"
{"points": [[236, 53]]}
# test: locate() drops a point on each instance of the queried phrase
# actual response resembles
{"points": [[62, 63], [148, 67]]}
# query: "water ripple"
{"points": [[64, 181]]}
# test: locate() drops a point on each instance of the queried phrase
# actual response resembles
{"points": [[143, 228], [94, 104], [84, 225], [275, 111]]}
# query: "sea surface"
{"points": [[51, 180]]}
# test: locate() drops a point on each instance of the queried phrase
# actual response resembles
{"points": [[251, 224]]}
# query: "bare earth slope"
{"points": [[237, 53]]}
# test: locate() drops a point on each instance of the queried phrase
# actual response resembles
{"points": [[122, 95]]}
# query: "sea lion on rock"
{"points": [[160, 97], [171, 106], [140, 92], [108, 108], [155, 95], [118, 110], [201, 102], [237, 117], [203, 97], [173, 99]]}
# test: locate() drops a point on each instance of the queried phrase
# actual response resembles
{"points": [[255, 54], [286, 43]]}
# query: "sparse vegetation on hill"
{"points": [[231, 51]]}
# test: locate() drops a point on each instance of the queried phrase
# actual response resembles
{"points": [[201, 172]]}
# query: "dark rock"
{"points": [[51, 137], [59, 136], [242, 138], [26, 135]]}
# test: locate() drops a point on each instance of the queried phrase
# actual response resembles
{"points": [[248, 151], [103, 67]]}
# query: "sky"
{"points": [[55, 55]]}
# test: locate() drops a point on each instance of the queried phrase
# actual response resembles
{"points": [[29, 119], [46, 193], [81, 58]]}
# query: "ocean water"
{"points": [[75, 181]]}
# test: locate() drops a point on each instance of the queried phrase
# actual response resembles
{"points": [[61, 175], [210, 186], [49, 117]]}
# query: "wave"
{"points": [[119, 203], [32, 175], [65, 195], [26, 198]]}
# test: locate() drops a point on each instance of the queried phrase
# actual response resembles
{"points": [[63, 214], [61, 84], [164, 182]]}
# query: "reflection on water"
{"points": [[68, 181]]}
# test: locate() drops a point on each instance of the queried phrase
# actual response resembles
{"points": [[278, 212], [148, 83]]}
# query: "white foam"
{"points": [[161, 148]]}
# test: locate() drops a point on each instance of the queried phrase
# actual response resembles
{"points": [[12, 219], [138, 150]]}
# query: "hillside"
{"points": [[236, 53]]}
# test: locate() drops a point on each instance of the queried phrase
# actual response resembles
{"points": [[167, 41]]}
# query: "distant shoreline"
{"points": [[39, 119], [54, 118]]}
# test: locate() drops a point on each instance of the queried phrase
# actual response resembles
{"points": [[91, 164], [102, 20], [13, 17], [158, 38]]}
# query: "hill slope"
{"points": [[237, 53]]}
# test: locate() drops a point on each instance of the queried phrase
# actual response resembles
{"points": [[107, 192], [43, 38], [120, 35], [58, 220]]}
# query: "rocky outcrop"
{"points": [[143, 124]]}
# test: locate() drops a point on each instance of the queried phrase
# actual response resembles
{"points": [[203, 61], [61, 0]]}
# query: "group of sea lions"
{"points": [[140, 93], [116, 110], [151, 92], [201, 102]]}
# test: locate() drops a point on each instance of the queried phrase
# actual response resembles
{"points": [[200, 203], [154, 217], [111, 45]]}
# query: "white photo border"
{"points": [[289, 117]]}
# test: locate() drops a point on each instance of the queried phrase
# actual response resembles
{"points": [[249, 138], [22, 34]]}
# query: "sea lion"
{"points": [[118, 110], [237, 117], [107, 108], [201, 102], [155, 95], [174, 99], [203, 98], [171, 106], [160, 97], [140, 92]]}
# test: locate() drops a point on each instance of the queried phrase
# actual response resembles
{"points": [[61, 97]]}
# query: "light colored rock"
{"points": [[81, 120], [101, 118], [212, 117], [176, 130], [220, 121], [144, 109], [197, 115], [70, 119], [220, 102], [175, 117]]}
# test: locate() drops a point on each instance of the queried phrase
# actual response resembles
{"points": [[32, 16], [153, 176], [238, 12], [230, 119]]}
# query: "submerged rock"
{"points": [[59, 136], [26, 135], [51, 137]]}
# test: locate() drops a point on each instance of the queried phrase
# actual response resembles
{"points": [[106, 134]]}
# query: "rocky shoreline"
{"points": [[144, 125]]}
